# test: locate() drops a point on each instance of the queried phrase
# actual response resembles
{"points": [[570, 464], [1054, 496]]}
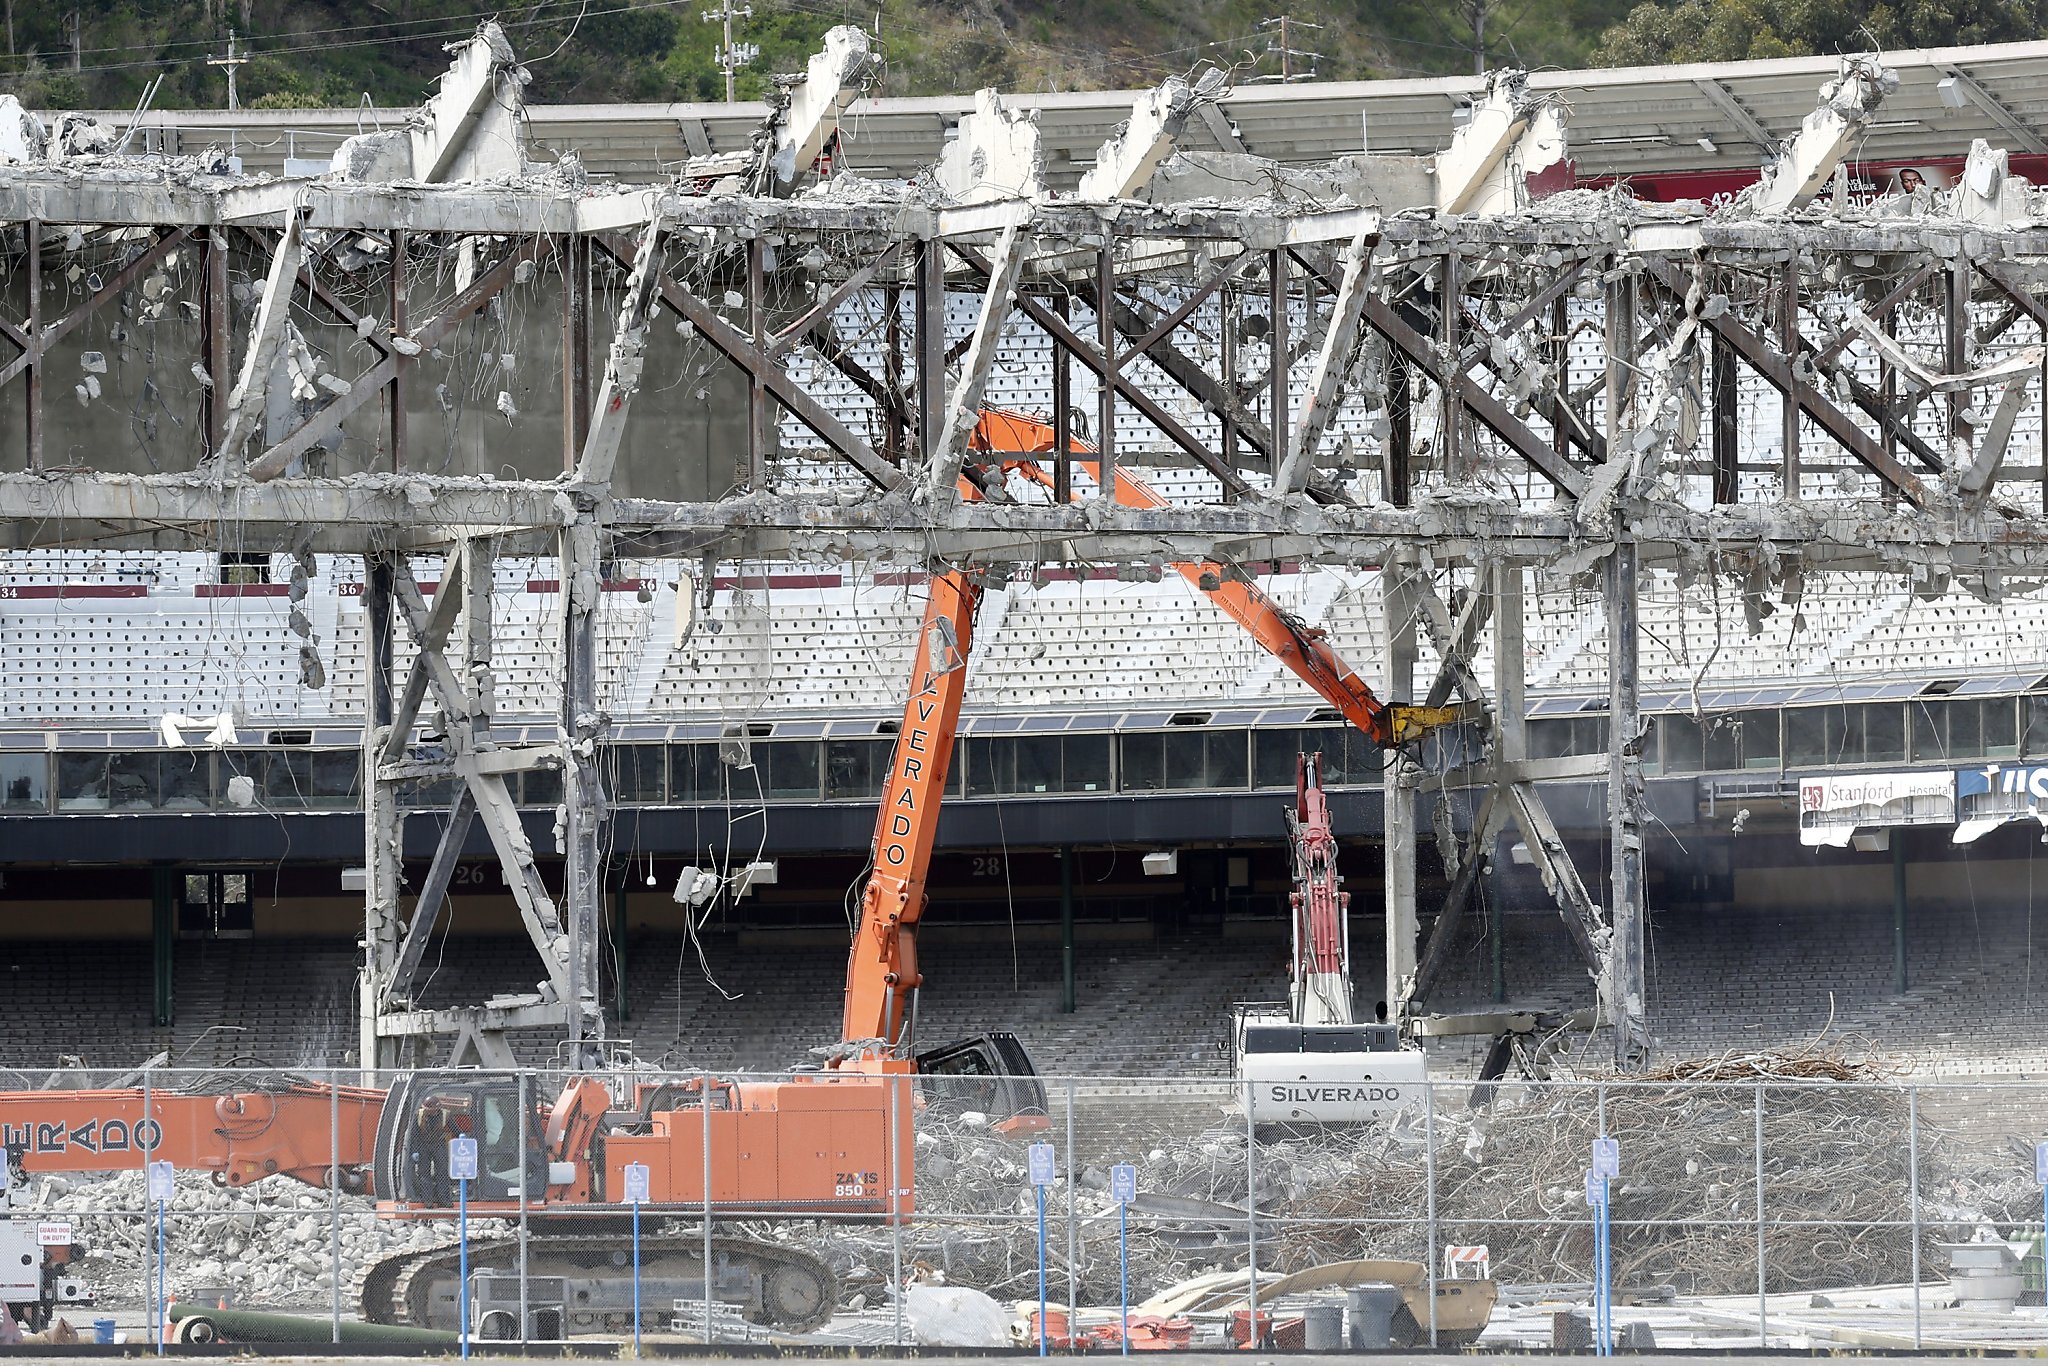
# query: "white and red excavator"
{"points": [[1311, 1060]]}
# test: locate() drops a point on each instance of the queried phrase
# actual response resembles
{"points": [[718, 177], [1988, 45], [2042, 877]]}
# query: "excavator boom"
{"points": [[881, 969], [1302, 648], [241, 1137]]}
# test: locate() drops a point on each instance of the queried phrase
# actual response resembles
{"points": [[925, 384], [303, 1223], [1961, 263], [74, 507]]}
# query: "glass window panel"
{"points": [[2001, 727], [188, 779], [1085, 761], [1845, 734], [1806, 736], [1965, 729], [436, 795], [1273, 754], [1038, 763], [81, 782], [1226, 757], [1144, 762], [984, 757], [694, 773], [132, 781], [1884, 733], [2034, 741], [855, 768], [24, 782], [1550, 738], [789, 769], [638, 772], [1184, 751], [334, 777], [1344, 763], [1683, 744], [541, 787], [288, 780], [231, 764], [1741, 740], [1930, 729]]}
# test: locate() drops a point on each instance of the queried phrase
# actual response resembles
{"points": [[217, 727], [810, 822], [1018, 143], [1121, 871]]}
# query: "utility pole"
{"points": [[231, 61], [72, 25], [732, 56], [1286, 24], [1476, 13]]}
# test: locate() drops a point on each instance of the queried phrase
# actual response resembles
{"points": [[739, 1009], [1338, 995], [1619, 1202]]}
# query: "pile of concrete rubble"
{"points": [[271, 1246]]}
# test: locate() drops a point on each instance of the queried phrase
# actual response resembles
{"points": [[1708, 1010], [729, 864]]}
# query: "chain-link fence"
{"points": [[849, 1207]]}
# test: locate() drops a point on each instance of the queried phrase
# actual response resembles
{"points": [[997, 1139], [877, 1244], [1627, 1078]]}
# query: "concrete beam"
{"points": [[1333, 362], [963, 404], [1468, 172], [1807, 163], [470, 129], [622, 366], [1220, 128], [246, 401], [832, 81], [1127, 158]]}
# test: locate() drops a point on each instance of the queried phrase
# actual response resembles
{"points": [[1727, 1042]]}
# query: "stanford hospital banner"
{"points": [[1833, 808]]}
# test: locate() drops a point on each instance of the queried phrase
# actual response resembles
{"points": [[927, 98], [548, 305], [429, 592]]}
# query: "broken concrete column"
{"points": [[81, 135], [469, 130], [995, 156], [21, 133], [1802, 169], [1510, 136], [1125, 162], [831, 82], [1988, 192]]}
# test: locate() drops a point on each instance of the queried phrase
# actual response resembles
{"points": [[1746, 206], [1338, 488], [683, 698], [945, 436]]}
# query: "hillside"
{"points": [[341, 52], [334, 52]]}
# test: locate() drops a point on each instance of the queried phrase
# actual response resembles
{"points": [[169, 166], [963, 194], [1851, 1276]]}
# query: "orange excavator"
{"points": [[837, 1141]]}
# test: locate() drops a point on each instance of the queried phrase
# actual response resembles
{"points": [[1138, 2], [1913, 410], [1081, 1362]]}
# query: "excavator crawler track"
{"points": [[789, 1290]]}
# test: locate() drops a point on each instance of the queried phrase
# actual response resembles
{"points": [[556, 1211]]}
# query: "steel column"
{"points": [[1788, 347], [1276, 373], [1397, 599], [584, 802], [575, 347], [383, 823], [1623, 981], [1727, 432], [32, 237], [1105, 337], [400, 323]]}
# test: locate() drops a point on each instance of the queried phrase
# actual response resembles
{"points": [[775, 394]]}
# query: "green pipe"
{"points": [[249, 1325]]}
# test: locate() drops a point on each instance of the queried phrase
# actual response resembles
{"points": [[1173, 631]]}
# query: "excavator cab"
{"points": [[426, 1110], [989, 1074]]}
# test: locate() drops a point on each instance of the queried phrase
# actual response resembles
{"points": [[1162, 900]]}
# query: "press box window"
{"points": [[24, 782]]}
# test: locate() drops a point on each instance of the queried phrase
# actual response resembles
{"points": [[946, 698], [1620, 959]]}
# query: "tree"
{"points": [[1745, 30]]}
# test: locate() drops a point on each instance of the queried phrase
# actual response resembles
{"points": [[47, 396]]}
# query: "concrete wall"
{"points": [[147, 415]]}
